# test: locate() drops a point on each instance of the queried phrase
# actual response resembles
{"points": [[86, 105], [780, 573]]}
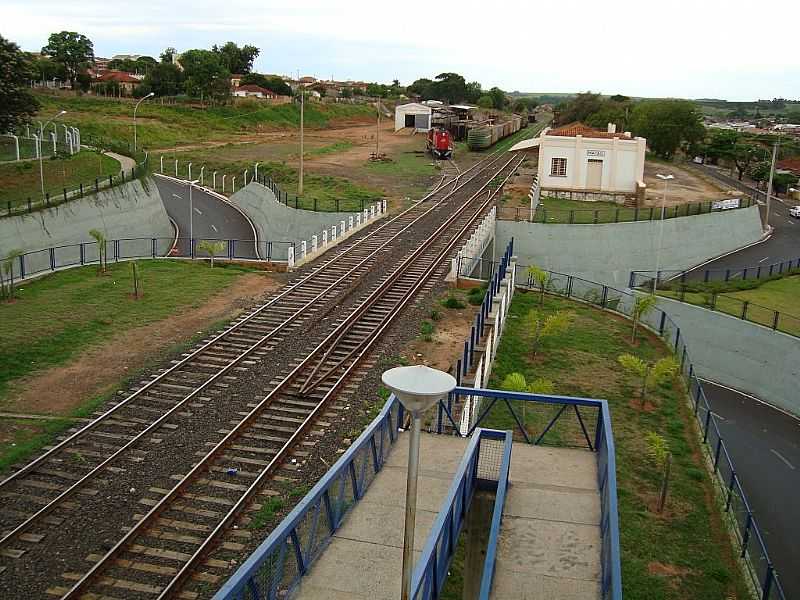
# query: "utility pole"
{"points": [[769, 185], [378, 132], [302, 106]]}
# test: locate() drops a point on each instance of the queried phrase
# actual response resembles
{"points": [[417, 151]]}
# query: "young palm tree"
{"points": [[100, 238]]}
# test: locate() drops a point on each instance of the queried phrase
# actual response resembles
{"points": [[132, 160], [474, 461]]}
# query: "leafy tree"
{"points": [[46, 69], [792, 115], [235, 59], [486, 101], [619, 99], [422, 87], [544, 327], [205, 74], [472, 92], [73, 51], [579, 108], [212, 248], [609, 113], [450, 87], [515, 382], [168, 55], [658, 452], [273, 84], [650, 374], [17, 104], [141, 65], [642, 305], [377, 90], [163, 79], [541, 278], [525, 104], [100, 238], [667, 125], [499, 98], [346, 92]]}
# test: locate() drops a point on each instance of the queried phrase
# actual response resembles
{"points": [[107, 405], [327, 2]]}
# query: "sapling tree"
{"points": [[138, 290], [516, 382], [650, 374], [7, 275], [211, 248], [100, 238], [544, 327], [541, 278], [642, 305], [659, 454]]}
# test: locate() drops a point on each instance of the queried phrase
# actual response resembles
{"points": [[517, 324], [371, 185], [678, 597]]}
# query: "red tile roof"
{"points": [[250, 87], [576, 128], [790, 164], [118, 76]]}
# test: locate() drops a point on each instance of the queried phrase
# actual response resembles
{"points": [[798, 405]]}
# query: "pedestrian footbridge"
{"points": [[527, 520]]}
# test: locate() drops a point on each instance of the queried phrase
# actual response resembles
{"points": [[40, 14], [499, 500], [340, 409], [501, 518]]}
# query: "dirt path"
{"points": [[60, 390]]}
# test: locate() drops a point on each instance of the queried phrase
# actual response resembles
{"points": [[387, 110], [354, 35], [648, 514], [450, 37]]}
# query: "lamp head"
{"points": [[418, 387], [665, 177], [150, 95]]}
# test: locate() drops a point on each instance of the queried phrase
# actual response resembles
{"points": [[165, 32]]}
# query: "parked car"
{"points": [[795, 212]]}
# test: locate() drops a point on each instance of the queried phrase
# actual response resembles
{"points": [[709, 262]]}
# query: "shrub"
{"points": [[452, 302], [426, 329]]}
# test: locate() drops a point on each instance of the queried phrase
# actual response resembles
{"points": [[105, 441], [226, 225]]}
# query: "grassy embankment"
{"points": [[763, 298], [56, 318], [683, 552], [20, 180]]}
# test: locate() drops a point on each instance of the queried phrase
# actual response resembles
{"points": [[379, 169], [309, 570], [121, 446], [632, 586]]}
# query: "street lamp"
{"points": [[418, 388], [665, 179], [41, 141], [135, 108], [190, 184]]}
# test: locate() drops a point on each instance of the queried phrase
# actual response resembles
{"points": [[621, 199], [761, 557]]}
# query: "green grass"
{"points": [[763, 299], [689, 537], [330, 148], [57, 317], [410, 163], [269, 509], [20, 180], [562, 210], [167, 126]]}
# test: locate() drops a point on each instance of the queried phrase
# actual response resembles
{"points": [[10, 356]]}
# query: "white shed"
{"points": [[413, 115]]}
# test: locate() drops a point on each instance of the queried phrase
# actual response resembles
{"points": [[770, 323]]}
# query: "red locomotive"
{"points": [[440, 142]]}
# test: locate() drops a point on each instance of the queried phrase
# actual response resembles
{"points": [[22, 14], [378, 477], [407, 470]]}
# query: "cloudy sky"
{"points": [[735, 50]]}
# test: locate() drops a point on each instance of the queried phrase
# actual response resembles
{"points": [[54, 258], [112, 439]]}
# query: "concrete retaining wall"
{"points": [[607, 253], [276, 222], [132, 210], [739, 354]]}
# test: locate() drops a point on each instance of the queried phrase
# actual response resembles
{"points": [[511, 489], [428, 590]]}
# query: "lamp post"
{"points": [[302, 106], [256, 169], [769, 185], [666, 179], [41, 167], [135, 108], [190, 185], [418, 388]]}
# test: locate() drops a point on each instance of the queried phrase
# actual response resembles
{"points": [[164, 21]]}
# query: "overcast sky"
{"points": [[697, 49]]}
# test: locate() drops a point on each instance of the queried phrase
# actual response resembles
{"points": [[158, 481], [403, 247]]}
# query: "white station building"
{"points": [[593, 162], [413, 115]]}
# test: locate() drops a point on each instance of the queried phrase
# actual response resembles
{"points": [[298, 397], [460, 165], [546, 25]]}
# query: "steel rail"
{"points": [[72, 489], [79, 587], [233, 328]]}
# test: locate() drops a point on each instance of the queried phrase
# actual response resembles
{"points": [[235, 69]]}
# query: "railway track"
{"points": [[259, 442]]}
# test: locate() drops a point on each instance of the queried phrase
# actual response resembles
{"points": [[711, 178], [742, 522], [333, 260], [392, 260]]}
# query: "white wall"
{"points": [[623, 162], [404, 109]]}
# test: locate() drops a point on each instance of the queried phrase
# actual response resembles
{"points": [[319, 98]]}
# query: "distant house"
{"points": [[250, 90], [578, 158], [417, 116], [236, 81], [126, 82], [789, 165]]}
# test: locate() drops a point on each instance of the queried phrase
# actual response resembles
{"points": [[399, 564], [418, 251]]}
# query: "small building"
{"points": [[126, 82], [250, 90], [413, 115], [236, 81], [598, 164]]}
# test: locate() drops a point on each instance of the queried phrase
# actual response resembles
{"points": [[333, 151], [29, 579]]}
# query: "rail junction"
{"points": [[150, 499]]}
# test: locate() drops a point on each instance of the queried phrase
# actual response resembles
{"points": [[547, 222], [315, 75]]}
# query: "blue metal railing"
{"points": [[645, 278], [277, 565], [751, 543], [602, 442], [497, 515], [431, 569]]}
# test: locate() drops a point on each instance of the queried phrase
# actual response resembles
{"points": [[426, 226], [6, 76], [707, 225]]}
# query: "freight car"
{"points": [[440, 142], [484, 136]]}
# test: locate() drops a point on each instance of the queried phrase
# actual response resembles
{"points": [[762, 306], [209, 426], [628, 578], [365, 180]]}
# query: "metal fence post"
{"points": [[153, 247], [775, 318], [746, 534], [716, 454], [708, 423], [52, 259], [83, 254], [768, 577], [677, 337], [662, 323], [730, 491], [744, 310]]}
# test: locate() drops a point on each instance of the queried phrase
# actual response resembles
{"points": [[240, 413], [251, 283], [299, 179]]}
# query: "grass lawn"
{"points": [[681, 553], [776, 295], [56, 317], [20, 180], [166, 126]]}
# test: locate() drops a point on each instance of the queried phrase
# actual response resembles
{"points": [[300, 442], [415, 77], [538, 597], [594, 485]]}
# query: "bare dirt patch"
{"points": [[448, 339], [667, 570], [60, 390], [688, 186]]}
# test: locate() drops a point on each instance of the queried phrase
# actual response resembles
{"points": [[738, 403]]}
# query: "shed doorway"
{"points": [[409, 120], [594, 174]]}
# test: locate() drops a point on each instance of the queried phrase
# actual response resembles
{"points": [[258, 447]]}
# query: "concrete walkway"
{"points": [[549, 546], [550, 540]]}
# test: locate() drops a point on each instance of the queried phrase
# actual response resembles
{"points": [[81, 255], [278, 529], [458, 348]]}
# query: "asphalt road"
{"points": [[783, 245], [212, 219], [764, 445]]}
